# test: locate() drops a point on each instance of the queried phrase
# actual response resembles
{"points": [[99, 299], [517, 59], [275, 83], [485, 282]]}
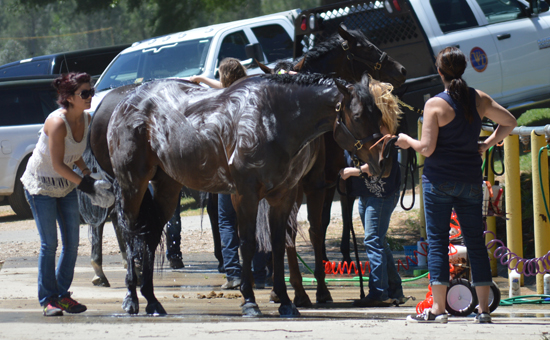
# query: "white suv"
{"points": [[24, 105]]}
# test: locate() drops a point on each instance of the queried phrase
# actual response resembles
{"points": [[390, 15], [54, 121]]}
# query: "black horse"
{"points": [[255, 139], [347, 55]]}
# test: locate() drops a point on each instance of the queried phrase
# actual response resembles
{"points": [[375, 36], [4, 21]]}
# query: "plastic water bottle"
{"points": [[546, 279], [514, 284], [420, 255]]}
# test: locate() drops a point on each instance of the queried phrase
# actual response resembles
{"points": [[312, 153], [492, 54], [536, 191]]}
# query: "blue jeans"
{"points": [[229, 236], [54, 282], [173, 234], [227, 221], [384, 280], [440, 197]]}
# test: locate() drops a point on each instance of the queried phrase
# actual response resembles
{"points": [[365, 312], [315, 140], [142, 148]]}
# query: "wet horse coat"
{"points": [[255, 139]]}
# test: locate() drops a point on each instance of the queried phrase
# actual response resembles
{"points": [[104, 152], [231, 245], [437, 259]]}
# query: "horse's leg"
{"points": [[166, 195], [119, 237], [314, 188], [97, 255], [301, 299], [246, 207], [346, 202], [278, 220]]}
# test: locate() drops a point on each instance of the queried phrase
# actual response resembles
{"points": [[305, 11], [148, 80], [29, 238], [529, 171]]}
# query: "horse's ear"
{"points": [[344, 33], [300, 64], [263, 67], [345, 90]]}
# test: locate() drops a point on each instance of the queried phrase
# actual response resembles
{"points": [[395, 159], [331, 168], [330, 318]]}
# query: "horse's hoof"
{"points": [[324, 297], [130, 305], [302, 301], [288, 311], [155, 308], [251, 310], [273, 298], [101, 281]]}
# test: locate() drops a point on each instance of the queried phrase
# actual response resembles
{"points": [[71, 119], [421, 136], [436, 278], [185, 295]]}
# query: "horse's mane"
{"points": [[304, 79], [386, 102]]}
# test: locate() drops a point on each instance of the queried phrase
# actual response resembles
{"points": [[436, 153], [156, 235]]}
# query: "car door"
{"points": [[524, 64], [454, 23]]}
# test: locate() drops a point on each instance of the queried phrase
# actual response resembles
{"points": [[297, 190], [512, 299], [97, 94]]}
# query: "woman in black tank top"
{"points": [[452, 177]]}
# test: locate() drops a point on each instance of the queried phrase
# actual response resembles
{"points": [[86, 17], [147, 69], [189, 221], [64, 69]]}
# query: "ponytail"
{"points": [[452, 63]]}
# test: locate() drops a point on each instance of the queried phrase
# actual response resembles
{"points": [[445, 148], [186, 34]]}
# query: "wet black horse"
{"points": [[347, 55], [255, 139]]}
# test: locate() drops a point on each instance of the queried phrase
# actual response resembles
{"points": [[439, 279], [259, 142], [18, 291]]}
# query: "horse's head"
{"points": [[363, 56], [366, 107]]}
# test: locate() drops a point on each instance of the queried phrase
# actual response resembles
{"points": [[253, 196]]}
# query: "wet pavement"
{"points": [[182, 293]]}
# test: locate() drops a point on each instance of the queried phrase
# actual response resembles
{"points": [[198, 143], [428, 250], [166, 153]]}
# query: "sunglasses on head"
{"points": [[85, 94]]}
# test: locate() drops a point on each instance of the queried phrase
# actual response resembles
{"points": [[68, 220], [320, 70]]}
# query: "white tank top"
{"points": [[40, 178]]}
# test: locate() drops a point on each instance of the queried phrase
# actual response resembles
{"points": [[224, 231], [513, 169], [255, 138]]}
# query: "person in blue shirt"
{"points": [[452, 178]]}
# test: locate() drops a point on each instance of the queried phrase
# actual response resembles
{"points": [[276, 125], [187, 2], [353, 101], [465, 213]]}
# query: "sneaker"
{"points": [[232, 284], [483, 318], [69, 305], [176, 263], [427, 316], [52, 310]]}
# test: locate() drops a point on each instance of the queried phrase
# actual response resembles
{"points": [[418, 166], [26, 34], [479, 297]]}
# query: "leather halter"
{"points": [[357, 143], [376, 67]]}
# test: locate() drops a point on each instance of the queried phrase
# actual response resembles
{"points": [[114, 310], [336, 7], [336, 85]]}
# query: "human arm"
{"points": [[83, 167], [346, 173], [210, 82], [487, 107], [430, 130]]}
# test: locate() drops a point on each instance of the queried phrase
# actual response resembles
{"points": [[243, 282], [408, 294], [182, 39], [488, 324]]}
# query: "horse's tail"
{"points": [[92, 214], [263, 229]]}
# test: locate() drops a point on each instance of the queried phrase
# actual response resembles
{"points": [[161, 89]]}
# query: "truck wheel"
{"points": [[494, 298], [17, 200], [461, 299]]}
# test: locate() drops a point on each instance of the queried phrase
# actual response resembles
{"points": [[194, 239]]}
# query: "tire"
{"points": [[461, 299], [494, 298], [17, 199]]}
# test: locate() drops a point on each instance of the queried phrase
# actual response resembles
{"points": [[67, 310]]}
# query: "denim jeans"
{"points": [[384, 280], [440, 197], [173, 234], [54, 282], [229, 236]]}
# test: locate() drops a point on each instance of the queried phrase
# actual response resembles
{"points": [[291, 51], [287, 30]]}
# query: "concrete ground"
{"points": [[184, 294]]}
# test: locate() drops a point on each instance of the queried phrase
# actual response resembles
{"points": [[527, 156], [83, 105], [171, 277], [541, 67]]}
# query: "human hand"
{"points": [[403, 141], [99, 191], [482, 147], [346, 173], [194, 79]]}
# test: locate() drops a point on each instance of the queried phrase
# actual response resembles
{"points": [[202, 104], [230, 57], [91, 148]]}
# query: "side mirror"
{"points": [[254, 51], [542, 6]]}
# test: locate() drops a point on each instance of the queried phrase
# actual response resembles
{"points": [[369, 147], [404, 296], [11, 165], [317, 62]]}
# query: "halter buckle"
{"points": [[345, 45], [377, 67], [358, 145]]}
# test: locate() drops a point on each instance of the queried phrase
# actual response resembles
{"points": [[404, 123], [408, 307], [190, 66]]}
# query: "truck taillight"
{"points": [[396, 5], [303, 26]]}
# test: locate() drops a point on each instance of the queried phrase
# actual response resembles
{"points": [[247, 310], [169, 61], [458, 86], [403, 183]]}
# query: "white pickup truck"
{"points": [[507, 43], [198, 51]]}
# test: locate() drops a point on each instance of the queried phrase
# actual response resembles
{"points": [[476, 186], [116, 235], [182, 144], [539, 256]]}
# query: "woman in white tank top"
{"points": [[50, 184]]}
